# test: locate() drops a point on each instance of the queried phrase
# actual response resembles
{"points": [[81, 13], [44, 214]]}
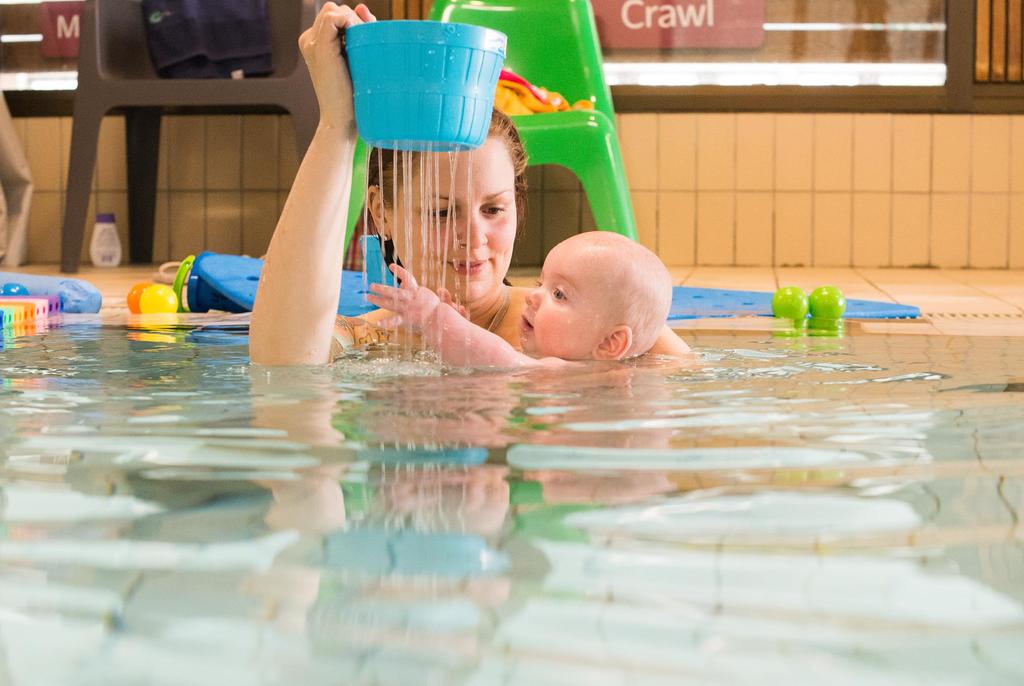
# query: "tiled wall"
{"points": [[829, 189], [222, 182], [713, 189]]}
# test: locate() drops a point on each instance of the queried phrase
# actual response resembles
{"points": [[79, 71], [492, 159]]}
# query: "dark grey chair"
{"points": [[115, 72]]}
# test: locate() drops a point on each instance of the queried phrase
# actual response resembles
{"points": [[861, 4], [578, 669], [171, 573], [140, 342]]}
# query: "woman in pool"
{"points": [[296, 304]]}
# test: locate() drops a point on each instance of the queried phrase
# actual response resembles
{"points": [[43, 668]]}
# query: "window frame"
{"points": [[960, 94]]}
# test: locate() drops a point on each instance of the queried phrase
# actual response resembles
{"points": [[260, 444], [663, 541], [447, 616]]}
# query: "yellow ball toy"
{"points": [[158, 299]]}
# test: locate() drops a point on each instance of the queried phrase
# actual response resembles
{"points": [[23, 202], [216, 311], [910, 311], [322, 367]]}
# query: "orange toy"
{"points": [[133, 296]]}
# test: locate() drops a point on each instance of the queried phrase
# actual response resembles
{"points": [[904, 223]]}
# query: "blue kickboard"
{"points": [[236, 279]]}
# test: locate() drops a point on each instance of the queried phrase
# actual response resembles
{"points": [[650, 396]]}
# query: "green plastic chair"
{"points": [[551, 43], [358, 194]]}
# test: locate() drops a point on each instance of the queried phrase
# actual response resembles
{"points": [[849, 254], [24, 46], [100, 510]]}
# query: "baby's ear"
{"points": [[615, 345]]}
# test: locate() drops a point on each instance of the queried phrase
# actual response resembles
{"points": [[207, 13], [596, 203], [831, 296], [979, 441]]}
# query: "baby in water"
{"points": [[600, 296]]}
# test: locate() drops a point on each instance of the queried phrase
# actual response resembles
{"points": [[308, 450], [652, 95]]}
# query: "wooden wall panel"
{"points": [[999, 41], [1015, 40], [998, 70], [982, 41], [410, 9]]}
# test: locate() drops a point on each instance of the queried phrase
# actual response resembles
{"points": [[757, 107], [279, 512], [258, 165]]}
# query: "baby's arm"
{"points": [[459, 342]]}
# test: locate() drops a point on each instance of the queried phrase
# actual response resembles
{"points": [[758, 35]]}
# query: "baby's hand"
{"points": [[413, 305]]}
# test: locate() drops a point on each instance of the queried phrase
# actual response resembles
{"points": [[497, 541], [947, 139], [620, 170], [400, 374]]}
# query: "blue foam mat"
{"points": [[702, 303], [236, 278], [76, 296]]}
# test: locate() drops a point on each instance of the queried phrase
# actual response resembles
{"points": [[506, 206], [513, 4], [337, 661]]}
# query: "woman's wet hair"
{"points": [[381, 172]]}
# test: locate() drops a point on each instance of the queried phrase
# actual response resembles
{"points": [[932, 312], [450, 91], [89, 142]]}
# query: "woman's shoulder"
{"points": [[509, 327], [518, 294], [516, 302], [670, 343]]}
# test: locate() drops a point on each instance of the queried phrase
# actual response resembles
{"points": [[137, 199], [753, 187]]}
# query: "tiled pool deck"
{"points": [[953, 302]]}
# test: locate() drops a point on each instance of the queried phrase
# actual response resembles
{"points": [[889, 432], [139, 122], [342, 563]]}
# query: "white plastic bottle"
{"points": [[105, 246]]}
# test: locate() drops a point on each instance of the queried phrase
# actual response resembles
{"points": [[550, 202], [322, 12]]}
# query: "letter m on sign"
{"points": [[60, 24]]}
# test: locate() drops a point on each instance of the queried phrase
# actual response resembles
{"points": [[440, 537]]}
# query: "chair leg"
{"points": [[85, 131], [142, 141], [604, 181], [591, 151]]}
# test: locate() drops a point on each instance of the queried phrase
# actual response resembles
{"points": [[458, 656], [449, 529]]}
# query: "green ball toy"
{"points": [[828, 328], [827, 302], [789, 302]]}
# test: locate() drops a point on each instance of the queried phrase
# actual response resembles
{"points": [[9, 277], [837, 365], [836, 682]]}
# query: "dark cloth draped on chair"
{"points": [[201, 39]]}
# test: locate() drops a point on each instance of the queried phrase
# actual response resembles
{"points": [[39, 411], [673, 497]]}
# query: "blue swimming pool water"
{"points": [[840, 511]]}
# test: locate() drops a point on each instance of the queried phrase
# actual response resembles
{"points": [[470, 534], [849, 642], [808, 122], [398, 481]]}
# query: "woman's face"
{"points": [[455, 232]]}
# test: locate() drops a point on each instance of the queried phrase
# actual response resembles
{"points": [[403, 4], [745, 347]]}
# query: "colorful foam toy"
{"points": [[515, 95], [26, 309]]}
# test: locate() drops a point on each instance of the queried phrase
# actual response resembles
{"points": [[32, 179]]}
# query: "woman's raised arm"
{"points": [[297, 297]]}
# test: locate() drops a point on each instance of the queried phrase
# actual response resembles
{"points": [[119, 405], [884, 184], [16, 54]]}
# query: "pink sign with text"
{"points": [[61, 24], [680, 23]]}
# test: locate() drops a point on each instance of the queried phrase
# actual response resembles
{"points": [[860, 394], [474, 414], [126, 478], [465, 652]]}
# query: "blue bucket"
{"points": [[422, 85]]}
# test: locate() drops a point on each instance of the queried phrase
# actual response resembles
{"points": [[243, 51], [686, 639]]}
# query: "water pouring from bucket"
{"points": [[424, 93]]}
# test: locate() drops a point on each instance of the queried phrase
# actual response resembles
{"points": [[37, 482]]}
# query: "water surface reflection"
{"points": [[781, 512]]}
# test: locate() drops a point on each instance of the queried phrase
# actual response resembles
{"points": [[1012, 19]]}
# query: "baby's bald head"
{"points": [[634, 286]]}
